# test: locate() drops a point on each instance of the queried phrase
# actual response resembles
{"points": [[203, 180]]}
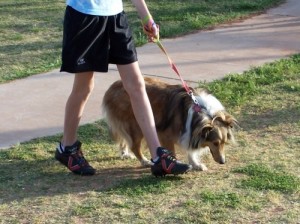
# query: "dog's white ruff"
{"points": [[210, 103]]}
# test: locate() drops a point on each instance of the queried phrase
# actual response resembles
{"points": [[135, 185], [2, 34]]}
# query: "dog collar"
{"points": [[196, 108]]}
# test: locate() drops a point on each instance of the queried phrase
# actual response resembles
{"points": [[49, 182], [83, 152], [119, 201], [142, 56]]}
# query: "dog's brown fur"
{"points": [[171, 105]]}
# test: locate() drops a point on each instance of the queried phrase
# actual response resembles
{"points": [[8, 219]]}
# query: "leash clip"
{"points": [[196, 107]]}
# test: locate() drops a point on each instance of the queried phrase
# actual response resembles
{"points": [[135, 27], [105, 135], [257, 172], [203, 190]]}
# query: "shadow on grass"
{"points": [[269, 118], [45, 178]]}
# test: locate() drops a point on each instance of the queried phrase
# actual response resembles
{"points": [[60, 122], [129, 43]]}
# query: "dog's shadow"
{"points": [[21, 179]]}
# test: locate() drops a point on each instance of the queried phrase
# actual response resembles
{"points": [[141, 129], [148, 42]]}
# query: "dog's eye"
{"points": [[216, 144]]}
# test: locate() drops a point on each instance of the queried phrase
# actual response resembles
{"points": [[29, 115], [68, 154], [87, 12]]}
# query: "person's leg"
{"points": [[82, 87], [68, 152], [134, 84]]}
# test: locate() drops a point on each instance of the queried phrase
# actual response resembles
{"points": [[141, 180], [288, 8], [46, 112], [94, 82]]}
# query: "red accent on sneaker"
{"points": [[70, 162], [168, 169]]}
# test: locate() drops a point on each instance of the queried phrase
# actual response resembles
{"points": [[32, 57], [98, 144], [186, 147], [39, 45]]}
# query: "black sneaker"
{"points": [[168, 164], [73, 158]]}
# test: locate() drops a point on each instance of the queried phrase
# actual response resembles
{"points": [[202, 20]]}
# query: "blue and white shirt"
{"points": [[97, 7]]}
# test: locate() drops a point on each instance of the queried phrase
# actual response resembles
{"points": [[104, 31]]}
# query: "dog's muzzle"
{"points": [[222, 160]]}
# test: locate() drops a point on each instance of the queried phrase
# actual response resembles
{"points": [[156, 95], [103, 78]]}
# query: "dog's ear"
{"points": [[205, 131], [230, 137], [230, 120], [225, 118], [219, 116]]}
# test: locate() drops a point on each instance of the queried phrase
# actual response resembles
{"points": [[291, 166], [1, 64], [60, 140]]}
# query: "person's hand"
{"points": [[151, 29]]}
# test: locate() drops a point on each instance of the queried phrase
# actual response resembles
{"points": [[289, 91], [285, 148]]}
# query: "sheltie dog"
{"points": [[177, 122]]}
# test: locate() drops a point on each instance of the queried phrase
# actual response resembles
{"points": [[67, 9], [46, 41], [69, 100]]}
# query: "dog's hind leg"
{"points": [[124, 151], [136, 149]]}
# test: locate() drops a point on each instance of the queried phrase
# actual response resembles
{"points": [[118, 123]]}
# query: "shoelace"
{"points": [[169, 156], [80, 158]]}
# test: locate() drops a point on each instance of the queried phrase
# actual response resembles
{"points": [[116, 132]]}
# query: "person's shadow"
{"points": [[20, 179]]}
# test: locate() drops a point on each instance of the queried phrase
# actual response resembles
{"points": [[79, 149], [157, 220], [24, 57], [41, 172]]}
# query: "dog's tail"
{"points": [[116, 128]]}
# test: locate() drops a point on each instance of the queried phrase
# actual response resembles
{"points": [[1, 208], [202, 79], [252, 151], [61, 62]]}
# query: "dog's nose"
{"points": [[222, 161]]}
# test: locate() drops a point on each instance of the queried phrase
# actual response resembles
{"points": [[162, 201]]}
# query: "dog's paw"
{"points": [[127, 155], [200, 167], [146, 163]]}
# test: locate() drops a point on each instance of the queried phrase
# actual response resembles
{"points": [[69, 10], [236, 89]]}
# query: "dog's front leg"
{"points": [[194, 157]]}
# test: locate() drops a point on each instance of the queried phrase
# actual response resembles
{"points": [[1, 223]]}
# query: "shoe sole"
{"points": [[162, 173]]}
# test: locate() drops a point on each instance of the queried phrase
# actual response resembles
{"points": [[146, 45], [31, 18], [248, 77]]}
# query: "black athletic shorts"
{"points": [[91, 42]]}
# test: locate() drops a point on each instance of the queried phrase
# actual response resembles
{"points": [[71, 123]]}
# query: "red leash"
{"points": [[173, 66], [156, 40]]}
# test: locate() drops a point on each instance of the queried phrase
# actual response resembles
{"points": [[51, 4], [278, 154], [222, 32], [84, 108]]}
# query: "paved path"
{"points": [[34, 107]]}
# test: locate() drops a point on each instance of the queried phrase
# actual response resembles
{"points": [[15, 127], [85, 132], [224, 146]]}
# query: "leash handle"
{"points": [[147, 28]]}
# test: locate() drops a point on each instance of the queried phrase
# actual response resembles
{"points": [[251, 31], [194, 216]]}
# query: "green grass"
{"points": [[30, 39], [223, 199], [181, 17], [31, 30], [264, 178], [260, 183]]}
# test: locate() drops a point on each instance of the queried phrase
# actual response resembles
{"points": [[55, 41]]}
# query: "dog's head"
{"points": [[214, 133]]}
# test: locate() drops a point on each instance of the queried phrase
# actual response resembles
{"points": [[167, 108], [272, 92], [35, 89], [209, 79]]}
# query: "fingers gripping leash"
{"points": [[150, 28]]}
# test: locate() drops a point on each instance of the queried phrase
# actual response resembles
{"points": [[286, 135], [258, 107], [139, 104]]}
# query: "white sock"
{"points": [[155, 160], [61, 147]]}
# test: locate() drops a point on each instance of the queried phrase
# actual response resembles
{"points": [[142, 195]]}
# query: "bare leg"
{"points": [[82, 87], [134, 84]]}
